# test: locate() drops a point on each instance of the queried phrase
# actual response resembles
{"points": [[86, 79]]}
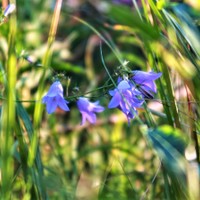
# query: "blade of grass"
{"points": [[36, 171], [171, 96], [45, 63], [108, 43], [39, 107], [8, 116]]}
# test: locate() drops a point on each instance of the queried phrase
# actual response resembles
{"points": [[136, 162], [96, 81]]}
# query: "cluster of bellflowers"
{"points": [[129, 94]]}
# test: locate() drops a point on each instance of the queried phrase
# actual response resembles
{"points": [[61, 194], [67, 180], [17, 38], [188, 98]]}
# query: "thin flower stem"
{"points": [[113, 49], [91, 91], [102, 60], [149, 116], [153, 180]]}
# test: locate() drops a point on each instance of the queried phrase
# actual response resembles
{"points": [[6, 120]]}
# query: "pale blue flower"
{"points": [[88, 110], [127, 98], [145, 82], [54, 98]]}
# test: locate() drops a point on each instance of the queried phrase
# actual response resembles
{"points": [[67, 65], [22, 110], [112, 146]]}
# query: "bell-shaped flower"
{"points": [[54, 98], [88, 110], [126, 98], [144, 81]]}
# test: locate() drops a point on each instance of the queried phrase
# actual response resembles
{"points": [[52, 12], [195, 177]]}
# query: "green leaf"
{"points": [[37, 172], [25, 118], [66, 66], [185, 24], [170, 144], [126, 17]]}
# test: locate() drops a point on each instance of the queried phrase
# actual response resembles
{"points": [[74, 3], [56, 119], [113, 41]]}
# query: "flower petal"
{"points": [[88, 109], [91, 117], [150, 86], [51, 105], [97, 107], [141, 77], [123, 85], [112, 92], [83, 104], [114, 102], [83, 118], [62, 103], [55, 89], [45, 99]]}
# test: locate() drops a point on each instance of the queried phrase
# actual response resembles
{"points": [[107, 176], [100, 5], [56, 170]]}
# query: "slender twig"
{"points": [[154, 178]]}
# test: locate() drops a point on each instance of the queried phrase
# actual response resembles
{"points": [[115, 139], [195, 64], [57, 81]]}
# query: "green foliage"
{"points": [[53, 157]]}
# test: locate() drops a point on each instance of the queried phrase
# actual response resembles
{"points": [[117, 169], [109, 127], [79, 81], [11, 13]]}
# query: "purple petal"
{"points": [[150, 86], [51, 105], [83, 104], [45, 99], [55, 89], [112, 92], [98, 109], [62, 103], [124, 107], [83, 118], [123, 85], [88, 109], [114, 102], [119, 80], [131, 114], [140, 77], [91, 117]]}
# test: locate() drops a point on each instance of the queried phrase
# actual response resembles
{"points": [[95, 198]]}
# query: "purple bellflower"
{"points": [[126, 98], [54, 98], [88, 109], [144, 81]]}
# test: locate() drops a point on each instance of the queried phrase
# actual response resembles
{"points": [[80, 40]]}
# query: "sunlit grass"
{"points": [[45, 156]]}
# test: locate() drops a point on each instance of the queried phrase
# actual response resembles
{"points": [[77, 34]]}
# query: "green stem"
{"points": [[47, 57], [37, 118], [171, 96], [8, 116]]}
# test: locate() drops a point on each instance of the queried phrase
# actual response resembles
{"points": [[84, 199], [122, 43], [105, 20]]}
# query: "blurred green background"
{"points": [[158, 159]]}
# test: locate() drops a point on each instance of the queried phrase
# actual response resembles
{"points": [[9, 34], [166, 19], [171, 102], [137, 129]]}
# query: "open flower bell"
{"points": [[88, 110], [130, 93], [145, 82], [54, 98], [126, 98]]}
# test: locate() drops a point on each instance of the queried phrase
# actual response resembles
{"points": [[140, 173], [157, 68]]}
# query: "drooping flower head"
{"points": [[9, 9], [126, 98], [145, 82], [54, 98], [88, 109]]}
